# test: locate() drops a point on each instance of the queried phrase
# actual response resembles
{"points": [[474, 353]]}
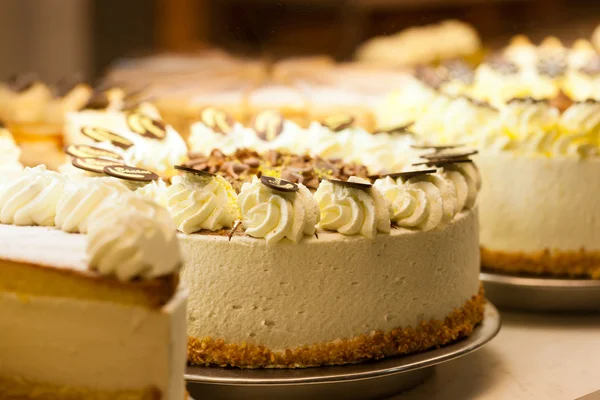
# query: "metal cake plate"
{"points": [[542, 294], [370, 380]]}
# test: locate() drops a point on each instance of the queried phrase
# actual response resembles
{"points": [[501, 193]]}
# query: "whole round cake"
{"points": [[293, 257], [534, 114]]}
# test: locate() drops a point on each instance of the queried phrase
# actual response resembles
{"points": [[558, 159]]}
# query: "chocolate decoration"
{"points": [[145, 126], [193, 170], [130, 173], [93, 164], [589, 100], [20, 82], [268, 124], [398, 129], [217, 119], [278, 184], [478, 103], [552, 66], [85, 151], [338, 122], [435, 147], [97, 101], [355, 185], [443, 161], [527, 99], [410, 174], [447, 154], [104, 135], [235, 227]]}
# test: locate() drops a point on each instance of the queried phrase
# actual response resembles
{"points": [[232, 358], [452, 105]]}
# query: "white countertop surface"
{"points": [[535, 356]]}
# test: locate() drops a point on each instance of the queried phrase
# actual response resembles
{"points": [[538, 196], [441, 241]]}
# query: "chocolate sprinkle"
{"points": [[592, 68], [552, 66], [278, 184], [130, 173], [66, 84]]}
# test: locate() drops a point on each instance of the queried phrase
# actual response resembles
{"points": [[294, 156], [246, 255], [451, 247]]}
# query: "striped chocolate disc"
{"points": [[217, 119], [93, 164], [145, 126], [83, 151], [130, 173], [268, 124], [104, 135]]}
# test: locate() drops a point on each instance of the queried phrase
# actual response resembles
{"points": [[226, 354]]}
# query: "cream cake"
{"points": [[34, 112], [270, 238], [539, 148], [96, 316], [276, 269]]}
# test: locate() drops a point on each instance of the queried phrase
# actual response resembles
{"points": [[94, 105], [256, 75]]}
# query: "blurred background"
{"points": [[58, 38]]}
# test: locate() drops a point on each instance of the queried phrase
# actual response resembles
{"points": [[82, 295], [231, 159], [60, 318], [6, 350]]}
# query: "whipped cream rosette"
{"points": [[82, 198], [198, 201], [352, 207], [133, 237], [274, 209], [423, 200], [32, 198]]}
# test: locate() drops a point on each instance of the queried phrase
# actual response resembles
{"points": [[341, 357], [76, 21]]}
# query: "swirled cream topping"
{"points": [[32, 198], [579, 128], [198, 202], [466, 180], [523, 118], [352, 211], [84, 197], [273, 215], [423, 202], [133, 237]]}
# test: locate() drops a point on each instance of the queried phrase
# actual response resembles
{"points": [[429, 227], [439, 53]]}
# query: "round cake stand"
{"points": [[370, 380], [542, 294]]}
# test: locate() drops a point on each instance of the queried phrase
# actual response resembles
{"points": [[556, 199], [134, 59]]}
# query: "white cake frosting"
{"points": [[133, 237]]}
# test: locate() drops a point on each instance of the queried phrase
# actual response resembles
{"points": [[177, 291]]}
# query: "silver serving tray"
{"points": [[542, 294], [370, 380]]}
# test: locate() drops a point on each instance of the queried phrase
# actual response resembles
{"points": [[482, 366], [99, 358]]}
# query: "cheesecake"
{"points": [[109, 305], [531, 114]]}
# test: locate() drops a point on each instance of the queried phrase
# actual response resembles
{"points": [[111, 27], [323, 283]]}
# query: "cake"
{"points": [[286, 283], [529, 113], [34, 112], [422, 44], [285, 251], [96, 316]]}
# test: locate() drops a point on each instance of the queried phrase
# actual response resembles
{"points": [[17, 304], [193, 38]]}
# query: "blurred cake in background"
{"points": [[539, 139], [34, 112], [423, 45]]}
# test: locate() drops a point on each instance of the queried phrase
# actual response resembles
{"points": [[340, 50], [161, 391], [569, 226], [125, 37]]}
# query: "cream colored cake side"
{"points": [[97, 346], [327, 288], [534, 203]]}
